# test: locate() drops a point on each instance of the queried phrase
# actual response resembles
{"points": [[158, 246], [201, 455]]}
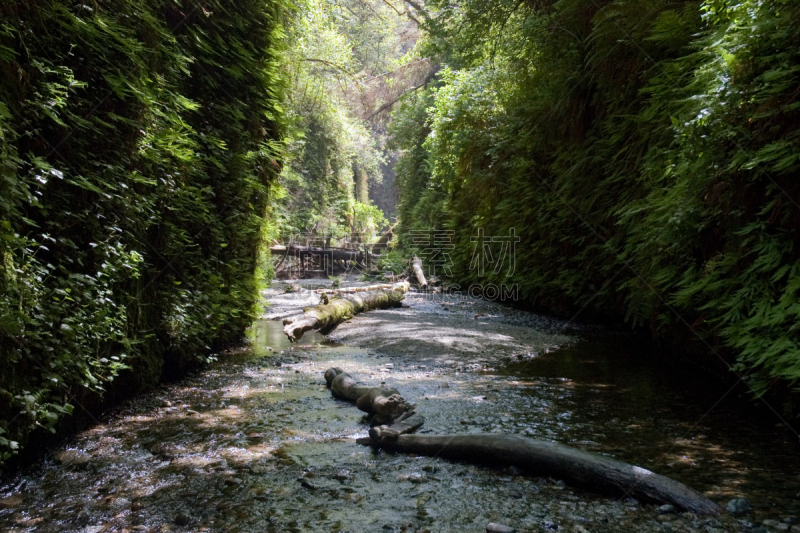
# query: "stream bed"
{"points": [[255, 442]]}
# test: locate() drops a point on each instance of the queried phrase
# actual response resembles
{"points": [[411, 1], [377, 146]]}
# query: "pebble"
{"points": [[233, 481], [310, 486], [181, 519], [72, 457], [413, 478], [514, 471], [11, 501], [738, 506], [493, 527], [342, 475], [666, 508]]}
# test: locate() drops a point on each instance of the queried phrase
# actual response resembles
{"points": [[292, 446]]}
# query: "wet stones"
{"points": [[164, 450]]}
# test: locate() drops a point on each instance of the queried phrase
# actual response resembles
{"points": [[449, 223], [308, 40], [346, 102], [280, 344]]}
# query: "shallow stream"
{"points": [[255, 442]]}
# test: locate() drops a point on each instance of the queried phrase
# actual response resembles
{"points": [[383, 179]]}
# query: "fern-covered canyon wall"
{"points": [[646, 153], [138, 143]]}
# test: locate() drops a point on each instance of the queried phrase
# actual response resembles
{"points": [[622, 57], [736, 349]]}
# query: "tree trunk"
{"points": [[577, 467], [416, 265], [383, 242], [340, 307]]}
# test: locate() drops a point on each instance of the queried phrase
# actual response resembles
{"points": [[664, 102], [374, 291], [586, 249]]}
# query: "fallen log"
{"points": [[337, 254], [383, 404], [340, 307], [416, 266], [393, 421], [403, 426], [576, 467]]}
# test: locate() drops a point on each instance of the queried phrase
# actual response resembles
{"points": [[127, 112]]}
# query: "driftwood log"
{"points": [[577, 467], [393, 421], [383, 404], [416, 266], [341, 306]]}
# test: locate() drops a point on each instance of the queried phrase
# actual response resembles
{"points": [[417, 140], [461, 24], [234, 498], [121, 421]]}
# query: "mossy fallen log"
{"points": [[347, 290], [341, 306]]}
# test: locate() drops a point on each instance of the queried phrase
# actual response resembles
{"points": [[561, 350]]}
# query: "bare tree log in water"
{"points": [[384, 404], [576, 467], [580, 468]]}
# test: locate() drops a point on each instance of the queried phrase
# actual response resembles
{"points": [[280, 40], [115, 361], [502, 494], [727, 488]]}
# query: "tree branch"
{"points": [[324, 62], [387, 105], [420, 9]]}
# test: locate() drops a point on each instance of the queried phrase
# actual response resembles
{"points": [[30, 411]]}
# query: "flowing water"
{"points": [[255, 442]]}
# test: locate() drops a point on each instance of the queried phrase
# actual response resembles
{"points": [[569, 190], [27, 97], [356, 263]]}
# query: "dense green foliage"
{"points": [[343, 55], [646, 152], [138, 141]]}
